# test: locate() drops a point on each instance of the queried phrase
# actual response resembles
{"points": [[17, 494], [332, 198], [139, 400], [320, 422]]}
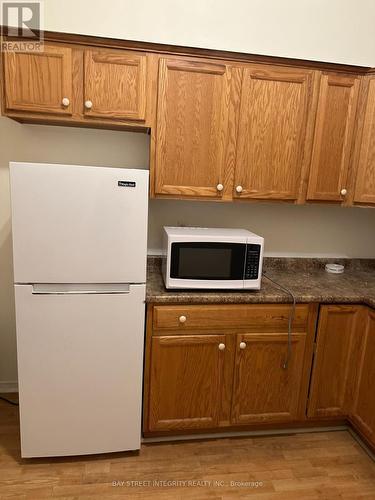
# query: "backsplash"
{"points": [[289, 263]]}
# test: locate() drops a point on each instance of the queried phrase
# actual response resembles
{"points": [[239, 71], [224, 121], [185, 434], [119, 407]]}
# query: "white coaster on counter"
{"points": [[335, 268]]}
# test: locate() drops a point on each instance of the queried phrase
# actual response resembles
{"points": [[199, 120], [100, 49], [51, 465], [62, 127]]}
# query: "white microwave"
{"points": [[197, 257]]}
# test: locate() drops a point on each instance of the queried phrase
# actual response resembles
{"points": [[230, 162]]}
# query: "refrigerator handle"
{"points": [[77, 288]]}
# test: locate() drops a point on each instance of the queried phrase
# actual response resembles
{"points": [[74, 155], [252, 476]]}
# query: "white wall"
{"points": [[335, 30], [323, 30]]}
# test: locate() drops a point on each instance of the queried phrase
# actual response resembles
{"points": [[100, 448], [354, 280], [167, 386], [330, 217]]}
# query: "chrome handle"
{"points": [[76, 288]]}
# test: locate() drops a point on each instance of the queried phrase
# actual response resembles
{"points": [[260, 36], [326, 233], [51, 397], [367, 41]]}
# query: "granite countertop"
{"points": [[306, 278]]}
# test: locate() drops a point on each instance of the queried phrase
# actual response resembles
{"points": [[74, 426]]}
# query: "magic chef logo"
{"points": [[128, 184]]}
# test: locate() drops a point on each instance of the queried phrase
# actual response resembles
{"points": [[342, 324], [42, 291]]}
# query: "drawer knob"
{"points": [[239, 189], [242, 345], [221, 347], [182, 319], [88, 104], [343, 192], [65, 102], [219, 187]]}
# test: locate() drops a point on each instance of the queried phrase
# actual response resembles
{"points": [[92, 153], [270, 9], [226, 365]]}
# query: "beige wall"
{"points": [[337, 31], [322, 30], [57, 145], [302, 231]]}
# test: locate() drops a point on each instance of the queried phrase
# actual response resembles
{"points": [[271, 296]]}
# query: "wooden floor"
{"points": [[325, 465]]}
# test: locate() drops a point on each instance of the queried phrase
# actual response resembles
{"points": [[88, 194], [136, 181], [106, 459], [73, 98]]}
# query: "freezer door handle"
{"points": [[77, 288]]}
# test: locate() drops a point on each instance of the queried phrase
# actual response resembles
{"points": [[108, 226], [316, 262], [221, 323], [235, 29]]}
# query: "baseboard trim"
{"points": [[362, 442], [8, 386], [266, 432]]}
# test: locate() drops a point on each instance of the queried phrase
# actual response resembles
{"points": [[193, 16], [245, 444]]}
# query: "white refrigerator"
{"points": [[79, 251]]}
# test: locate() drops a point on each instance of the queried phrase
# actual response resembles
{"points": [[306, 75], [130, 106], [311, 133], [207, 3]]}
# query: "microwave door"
{"points": [[207, 264]]}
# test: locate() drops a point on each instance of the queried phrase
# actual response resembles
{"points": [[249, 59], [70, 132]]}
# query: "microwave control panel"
{"points": [[252, 262]]}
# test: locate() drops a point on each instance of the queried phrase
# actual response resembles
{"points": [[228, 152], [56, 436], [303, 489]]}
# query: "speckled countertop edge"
{"points": [[306, 278]]}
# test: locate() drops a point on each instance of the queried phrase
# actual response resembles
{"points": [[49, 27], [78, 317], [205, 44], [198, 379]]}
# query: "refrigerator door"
{"points": [[75, 224], [80, 358]]}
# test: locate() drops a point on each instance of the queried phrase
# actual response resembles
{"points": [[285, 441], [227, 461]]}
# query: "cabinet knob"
{"points": [[65, 101], [88, 104], [242, 345], [182, 319], [343, 192], [219, 187], [221, 347], [239, 189]]}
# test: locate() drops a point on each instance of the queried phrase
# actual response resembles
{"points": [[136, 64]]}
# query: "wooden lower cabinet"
{"points": [[229, 374], [186, 381], [266, 390], [344, 368], [363, 411], [336, 360]]}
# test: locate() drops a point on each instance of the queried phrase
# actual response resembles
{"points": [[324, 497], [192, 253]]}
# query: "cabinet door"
{"points": [[274, 137], [191, 134], [335, 360], [333, 137], [115, 84], [39, 81], [364, 401], [186, 379], [365, 184], [265, 391]]}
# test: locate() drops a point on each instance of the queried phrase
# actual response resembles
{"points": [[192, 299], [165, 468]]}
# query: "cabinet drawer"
{"points": [[257, 318]]}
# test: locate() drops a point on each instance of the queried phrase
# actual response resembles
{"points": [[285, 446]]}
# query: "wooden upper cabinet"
{"points": [[365, 183], [39, 82], [336, 361], [364, 402], [115, 84], [274, 132], [191, 134], [186, 379], [333, 138], [220, 129], [265, 391]]}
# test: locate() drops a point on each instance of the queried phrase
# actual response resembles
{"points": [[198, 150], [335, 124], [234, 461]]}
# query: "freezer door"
{"points": [[75, 224], [80, 358]]}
